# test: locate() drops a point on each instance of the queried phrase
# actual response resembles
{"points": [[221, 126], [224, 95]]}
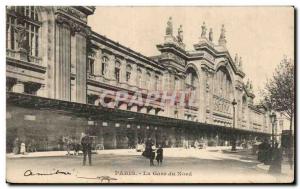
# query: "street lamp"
{"points": [[273, 120], [233, 146]]}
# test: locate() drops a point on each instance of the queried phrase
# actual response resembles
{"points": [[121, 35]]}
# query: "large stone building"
{"points": [[58, 68]]}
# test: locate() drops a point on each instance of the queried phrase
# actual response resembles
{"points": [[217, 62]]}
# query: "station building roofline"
{"points": [[109, 114], [102, 38]]}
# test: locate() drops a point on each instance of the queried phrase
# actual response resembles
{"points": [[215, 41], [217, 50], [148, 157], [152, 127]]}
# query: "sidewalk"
{"points": [[114, 151], [285, 168]]}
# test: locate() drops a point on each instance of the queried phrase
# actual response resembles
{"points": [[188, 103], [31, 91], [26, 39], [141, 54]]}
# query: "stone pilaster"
{"points": [[81, 62], [63, 61]]}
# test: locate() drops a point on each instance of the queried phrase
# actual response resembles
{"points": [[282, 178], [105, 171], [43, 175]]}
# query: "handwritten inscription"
{"points": [[102, 179], [57, 172]]}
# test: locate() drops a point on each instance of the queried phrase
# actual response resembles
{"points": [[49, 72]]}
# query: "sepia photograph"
{"points": [[150, 94]]}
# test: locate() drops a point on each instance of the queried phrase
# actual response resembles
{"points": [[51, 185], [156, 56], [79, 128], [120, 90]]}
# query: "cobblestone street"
{"points": [[203, 166]]}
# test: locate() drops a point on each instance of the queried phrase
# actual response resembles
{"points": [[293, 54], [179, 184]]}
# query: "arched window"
{"points": [[244, 106], [191, 81], [104, 65], [223, 84], [117, 70], [22, 29], [128, 73], [139, 77]]}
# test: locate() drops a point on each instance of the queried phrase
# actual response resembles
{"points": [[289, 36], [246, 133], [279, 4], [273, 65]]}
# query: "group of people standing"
{"points": [[19, 146], [152, 152], [270, 156]]}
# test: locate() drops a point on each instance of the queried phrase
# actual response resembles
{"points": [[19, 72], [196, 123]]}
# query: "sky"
{"points": [[260, 35]]}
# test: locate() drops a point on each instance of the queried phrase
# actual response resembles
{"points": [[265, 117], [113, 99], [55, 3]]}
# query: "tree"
{"points": [[279, 91]]}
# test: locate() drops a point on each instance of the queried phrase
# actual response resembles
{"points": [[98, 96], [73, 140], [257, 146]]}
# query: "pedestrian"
{"points": [[16, 146], [152, 155], [86, 142], [275, 167], [159, 155], [76, 147], [69, 145], [23, 148]]}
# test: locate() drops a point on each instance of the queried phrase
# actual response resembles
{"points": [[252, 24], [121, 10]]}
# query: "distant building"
{"points": [[58, 68]]}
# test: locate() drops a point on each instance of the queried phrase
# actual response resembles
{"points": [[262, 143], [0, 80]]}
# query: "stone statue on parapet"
{"points": [[203, 33], [210, 35], [240, 64], [222, 40], [169, 29], [180, 34], [248, 84], [236, 59], [222, 35]]}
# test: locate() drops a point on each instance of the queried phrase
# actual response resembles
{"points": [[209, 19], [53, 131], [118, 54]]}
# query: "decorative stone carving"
{"points": [[210, 35], [74, 26], [203, 33], [180, 34], [169, 29], [73, 12], [21, 37]]}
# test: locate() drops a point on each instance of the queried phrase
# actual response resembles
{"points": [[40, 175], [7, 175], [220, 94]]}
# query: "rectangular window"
{"points": [[128, 76], [117, 74], [91, 66], [103, 70]]}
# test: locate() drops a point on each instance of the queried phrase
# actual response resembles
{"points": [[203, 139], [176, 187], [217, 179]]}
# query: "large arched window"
{"points": [[244, 106], [223, 84], [191, 81], [22, 29], [192, 85]]}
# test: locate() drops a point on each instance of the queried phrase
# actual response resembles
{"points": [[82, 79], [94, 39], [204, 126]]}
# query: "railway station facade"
{"points": [[58, 71]]}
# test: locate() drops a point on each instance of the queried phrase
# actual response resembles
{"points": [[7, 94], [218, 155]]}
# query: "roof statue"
{"points": [[180, 34], [203, 33], [222, 40], [210, 35], [248, 84], [236, 58], [169, 29], [240, 63]]}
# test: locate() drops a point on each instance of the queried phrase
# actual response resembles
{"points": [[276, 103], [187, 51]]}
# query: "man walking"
{"points": [[86, 143]]}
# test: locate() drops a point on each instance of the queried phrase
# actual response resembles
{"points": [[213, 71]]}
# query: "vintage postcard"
{"points": [[189, 94]]}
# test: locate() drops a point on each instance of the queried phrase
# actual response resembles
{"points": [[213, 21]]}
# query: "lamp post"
{"points": [[273, 120], [233, 146]]}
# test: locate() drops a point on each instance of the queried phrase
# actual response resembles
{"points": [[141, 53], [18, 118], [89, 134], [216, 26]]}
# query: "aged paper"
{"points": [[149, 94]]}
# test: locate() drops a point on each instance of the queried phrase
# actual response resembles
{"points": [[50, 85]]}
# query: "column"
{"points": [[123, 71], [81, 61], [63, 62], [114, 138]]}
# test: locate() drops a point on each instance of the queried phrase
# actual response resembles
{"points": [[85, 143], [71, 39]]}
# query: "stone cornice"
{"points": [[75, 26], [127, 51]]}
